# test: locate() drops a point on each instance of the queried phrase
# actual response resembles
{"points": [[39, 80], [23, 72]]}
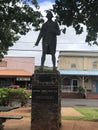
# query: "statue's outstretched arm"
{"points": [[40, 35], [38, 39]]}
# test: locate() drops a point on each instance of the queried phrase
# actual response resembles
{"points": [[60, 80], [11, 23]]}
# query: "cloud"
{"points": [[68, 41]]}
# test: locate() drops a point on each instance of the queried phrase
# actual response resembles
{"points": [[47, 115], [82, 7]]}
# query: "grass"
{"points": [[90, 114]]}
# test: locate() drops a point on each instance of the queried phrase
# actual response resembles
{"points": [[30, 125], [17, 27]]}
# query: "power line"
{"points": [[57, 43], [34, 50], [26, 50], [22, 50]]}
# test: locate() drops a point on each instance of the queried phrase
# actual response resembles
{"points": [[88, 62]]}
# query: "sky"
{"points": [[65, 42], [45, 0]]}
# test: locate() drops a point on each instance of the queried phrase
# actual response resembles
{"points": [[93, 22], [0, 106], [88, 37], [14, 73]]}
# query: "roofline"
{"points": [[15, 72], [87, 51], [79, 72], [79, 53], [19, 56]]}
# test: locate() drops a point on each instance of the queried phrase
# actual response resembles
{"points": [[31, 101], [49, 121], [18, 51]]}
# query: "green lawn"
{"points": [[88, 114]]}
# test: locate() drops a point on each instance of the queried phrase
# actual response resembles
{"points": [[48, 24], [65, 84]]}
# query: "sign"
{"points": [[23, 79], [45, 94]]}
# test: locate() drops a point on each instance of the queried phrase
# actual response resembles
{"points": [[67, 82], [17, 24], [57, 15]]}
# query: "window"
{"points": [[3, 64], [66, 84], [75, 84], [67, 81], [5, 82], [94, 65], [73, 66]]}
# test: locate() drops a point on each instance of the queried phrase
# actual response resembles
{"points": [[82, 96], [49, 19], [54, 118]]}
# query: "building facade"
{"points": [[16, 71], [79, 69]]}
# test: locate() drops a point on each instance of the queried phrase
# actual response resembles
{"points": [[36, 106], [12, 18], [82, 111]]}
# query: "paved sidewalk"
{"points": [[79, 102], [26, 111], [25, 124], [69, 111]]}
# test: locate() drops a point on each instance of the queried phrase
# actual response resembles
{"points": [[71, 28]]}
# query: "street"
{"points": [[79, 102]]}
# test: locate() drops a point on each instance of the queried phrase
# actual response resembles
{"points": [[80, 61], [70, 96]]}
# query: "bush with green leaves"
{"points": [[9, 94], [3, 96], [81, 89]]}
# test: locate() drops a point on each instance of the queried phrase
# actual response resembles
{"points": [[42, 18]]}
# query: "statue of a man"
{"points": [[48, 33]]}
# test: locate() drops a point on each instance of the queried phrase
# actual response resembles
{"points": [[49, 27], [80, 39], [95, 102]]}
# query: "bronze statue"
{"points": [[48, 33]]}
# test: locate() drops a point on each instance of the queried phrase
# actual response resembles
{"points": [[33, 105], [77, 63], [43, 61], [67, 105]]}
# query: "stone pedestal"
{"points": [[46, 101]]}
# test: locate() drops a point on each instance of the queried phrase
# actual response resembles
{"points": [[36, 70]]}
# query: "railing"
{"points": [[66, 88]]}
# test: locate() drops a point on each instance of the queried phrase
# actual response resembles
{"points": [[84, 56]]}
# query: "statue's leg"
{"points": [[42, 60], [53, 61]]}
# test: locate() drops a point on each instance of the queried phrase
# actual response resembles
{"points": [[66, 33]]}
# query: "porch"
{"points": [[92, 95], [74, 80], [76, 95]]}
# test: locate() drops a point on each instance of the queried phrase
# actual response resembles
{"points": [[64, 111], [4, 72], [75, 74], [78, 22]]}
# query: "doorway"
{"points": [[74, 84]]}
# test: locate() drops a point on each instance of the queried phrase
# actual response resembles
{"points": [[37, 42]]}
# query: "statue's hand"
{"points": [[35, 45]]}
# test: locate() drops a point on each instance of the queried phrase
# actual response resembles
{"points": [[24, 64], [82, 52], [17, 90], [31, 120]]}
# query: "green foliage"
{"points": [[20, 94], [72, 118], [8, 94], [3, 96], [16, 18], [81, 89], [88, 114], [77, 13]]}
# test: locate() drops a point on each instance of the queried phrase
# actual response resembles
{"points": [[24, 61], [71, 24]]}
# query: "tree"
{"points": [[77, 13], [16, 18]]}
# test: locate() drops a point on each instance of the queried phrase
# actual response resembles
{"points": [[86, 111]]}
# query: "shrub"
{"points": [[8, 94], [3, 96], [81, 89]]}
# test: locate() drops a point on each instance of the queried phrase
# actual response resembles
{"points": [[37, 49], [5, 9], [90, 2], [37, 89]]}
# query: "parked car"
{"points": [[15, 86]]}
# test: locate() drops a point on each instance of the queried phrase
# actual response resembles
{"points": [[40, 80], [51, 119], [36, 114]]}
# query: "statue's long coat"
{"points": [[48, 33]]}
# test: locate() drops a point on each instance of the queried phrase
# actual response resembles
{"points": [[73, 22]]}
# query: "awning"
{"points": [[79, 72], [14, 73]]}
